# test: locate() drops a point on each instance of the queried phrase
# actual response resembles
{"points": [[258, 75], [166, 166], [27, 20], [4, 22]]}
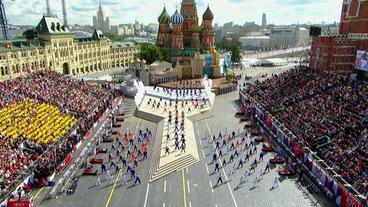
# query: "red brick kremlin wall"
{"points": [[337, 53]]}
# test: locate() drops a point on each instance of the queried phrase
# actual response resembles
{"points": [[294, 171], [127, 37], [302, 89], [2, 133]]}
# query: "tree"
{"points": [[165, 54], [236, 52], [150, 53], [230, 75], [234, 47], [113, 38]]}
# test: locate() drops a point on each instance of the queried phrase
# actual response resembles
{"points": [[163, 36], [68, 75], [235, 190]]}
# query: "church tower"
{"points": [[189, 12], [177, 38], [195, 41], [208, 32], [163, 20]]}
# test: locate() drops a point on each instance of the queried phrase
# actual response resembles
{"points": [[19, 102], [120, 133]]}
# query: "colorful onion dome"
{"points": [[164, 17], [208, 15], [177, 18], [196, 29]]}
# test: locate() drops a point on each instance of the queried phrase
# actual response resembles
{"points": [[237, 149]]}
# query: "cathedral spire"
{"points": [[100, 5]]}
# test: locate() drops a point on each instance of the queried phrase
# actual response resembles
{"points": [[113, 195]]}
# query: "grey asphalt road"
{"points": [[194, 186]]}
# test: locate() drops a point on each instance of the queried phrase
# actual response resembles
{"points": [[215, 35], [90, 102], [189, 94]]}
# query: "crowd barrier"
{"points": [[226, 90], [71, 155], [343, 193], [74, 158]]}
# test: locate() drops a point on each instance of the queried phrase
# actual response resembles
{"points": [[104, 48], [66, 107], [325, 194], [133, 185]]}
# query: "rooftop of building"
{"points": [[255, 37], [50, 24], [19, 44], [123, 45]]}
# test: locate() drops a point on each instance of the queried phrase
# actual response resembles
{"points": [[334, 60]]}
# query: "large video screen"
{"points": [[361, 62]]}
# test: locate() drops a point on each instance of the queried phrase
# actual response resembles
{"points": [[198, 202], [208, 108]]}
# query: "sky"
{"points": [[29, 12]]}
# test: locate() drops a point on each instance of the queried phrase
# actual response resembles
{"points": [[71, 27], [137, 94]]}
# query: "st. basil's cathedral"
{"points": [[191, 45]]}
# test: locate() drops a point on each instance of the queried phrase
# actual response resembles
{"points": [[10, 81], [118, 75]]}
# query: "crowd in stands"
{"points": [[38, 110], [326, 112]]}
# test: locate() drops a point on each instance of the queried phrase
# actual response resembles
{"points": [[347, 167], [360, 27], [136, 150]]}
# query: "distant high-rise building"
{"points": [[100, 22], [264, 20]]}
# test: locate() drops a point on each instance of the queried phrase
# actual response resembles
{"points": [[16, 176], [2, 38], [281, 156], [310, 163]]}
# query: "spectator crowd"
{"points": [[36, 112], [327, 112]]}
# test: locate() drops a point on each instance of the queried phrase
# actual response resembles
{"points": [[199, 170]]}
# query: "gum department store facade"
{"points": [[51, 46]]}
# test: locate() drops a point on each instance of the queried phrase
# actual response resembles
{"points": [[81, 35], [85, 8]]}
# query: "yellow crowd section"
{"points": [[38, 122]]}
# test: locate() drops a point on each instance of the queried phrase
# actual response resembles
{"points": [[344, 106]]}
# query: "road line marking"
{"points": [[184, 192], [188, 187], [113, 189], [186, 169], [163, 204], [139, 122], [145, 200], [228, 185], [211, 186], [190, 204], [200, 141], [215, 204], [165, 186], [204, 156], [208, 172], [38, 193]]}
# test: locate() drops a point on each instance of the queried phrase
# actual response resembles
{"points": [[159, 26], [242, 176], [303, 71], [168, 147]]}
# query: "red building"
{"points": [[354, 17], [337, 53]]}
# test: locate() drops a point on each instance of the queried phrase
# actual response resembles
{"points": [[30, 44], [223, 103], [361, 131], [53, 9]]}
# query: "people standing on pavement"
{"points": [[275, 182], [217, 167], [103, 167], [219, 180], [267, 169], [167, 150], [224, 162], [137, 179], [98, 181], [240, 163], [123, 180]]}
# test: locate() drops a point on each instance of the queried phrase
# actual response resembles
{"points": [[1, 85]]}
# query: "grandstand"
{"points": [[326, 112], [38, 114]]}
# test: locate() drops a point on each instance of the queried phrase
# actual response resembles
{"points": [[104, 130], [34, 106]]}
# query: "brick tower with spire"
{"points": [[189, 12]]}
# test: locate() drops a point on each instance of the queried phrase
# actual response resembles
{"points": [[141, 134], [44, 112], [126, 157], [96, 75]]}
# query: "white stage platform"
{"points": [[162, 94]]}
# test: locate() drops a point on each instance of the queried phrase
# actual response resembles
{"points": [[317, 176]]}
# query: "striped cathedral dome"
{"points": [[177, 18], [208, 15], [164, 17]]}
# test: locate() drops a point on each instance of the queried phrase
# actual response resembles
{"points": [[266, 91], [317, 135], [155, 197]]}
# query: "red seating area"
{"points": [[327, 112]]}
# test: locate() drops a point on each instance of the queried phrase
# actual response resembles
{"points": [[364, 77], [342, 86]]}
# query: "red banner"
{"points": [[347, 200]]}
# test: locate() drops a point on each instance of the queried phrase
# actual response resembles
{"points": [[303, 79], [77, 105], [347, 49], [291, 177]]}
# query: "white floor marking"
{"points": [[211, 186], [145, 200], [165, 186], [228, 185], [204, 156], [163, 204], [188, 186], [207, 169]]}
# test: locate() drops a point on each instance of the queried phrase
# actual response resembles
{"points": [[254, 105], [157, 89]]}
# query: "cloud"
{"points": [[298, 2], [83, 8], [238, 11]]}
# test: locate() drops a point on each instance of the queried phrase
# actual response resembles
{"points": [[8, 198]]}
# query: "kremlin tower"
{"points": [[191, 45]]}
